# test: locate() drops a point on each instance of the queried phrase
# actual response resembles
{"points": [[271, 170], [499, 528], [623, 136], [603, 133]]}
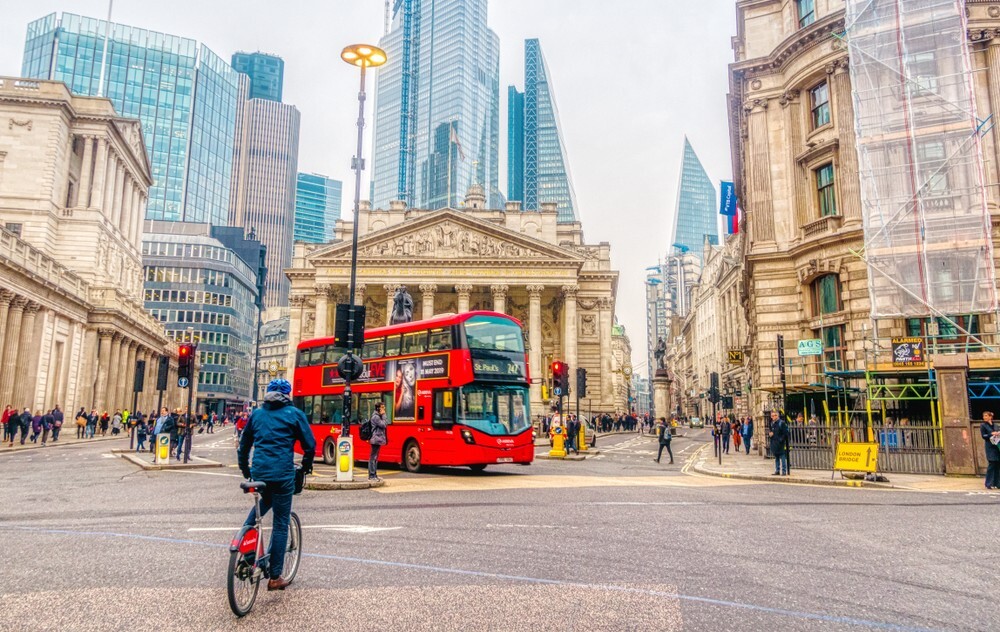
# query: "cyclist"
{"points": [[272, 432]]}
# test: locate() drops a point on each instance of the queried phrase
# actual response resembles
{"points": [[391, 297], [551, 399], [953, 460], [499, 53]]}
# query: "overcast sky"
{"points": [[631, 79]]}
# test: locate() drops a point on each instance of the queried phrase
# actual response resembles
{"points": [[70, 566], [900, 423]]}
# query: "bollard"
{"points": [[558, 443], [162, 449], [345, 459], [582, 445]]}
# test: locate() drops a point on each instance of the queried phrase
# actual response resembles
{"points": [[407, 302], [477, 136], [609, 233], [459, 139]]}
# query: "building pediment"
{"points": [[447, 235]]}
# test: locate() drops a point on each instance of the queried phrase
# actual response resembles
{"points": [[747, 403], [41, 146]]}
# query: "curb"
{"points": [[568, 457], [700, 469], [198, 462], [316, 485], [57, 444]]}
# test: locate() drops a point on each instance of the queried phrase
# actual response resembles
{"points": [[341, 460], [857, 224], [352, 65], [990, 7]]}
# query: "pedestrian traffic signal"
{"points": [[713, 391], [581, 382], [184, 360], [560, 377]]}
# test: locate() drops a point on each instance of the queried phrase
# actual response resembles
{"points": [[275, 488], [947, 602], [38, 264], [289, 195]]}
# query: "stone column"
{"points": [[569, 327], [390, 294], [9, 367], [960, 434], [83, 192], [127, 380], [128, 199], [88, 370], [993, 70], [605, 322], [322, 310], [295, 307], [108, 395], [115, 212], [359, 293], [6, 296], [535, 341], [427, 291], [136, 215], [111, 172], [758, 202], [499, 292], [463, 290], [135, 233], [26, 351], [100, 174], [848, 182], [792, 105]]}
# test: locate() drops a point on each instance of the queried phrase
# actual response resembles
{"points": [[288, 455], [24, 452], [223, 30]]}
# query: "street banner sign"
{"points": [[856, 457], [908, 352], [727, 199], [811, 347], [736, 357]]}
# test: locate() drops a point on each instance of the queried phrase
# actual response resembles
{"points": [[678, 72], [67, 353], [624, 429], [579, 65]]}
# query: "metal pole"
{"points": [[104, 53], [135, 402], [359, 165], [256, 354]]}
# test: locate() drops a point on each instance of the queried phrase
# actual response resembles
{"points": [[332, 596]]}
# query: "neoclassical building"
{"points": [[525, 264], [73, 183]]}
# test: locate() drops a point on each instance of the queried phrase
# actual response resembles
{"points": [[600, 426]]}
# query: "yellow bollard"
{"points": [[558, 443], [582, 441]]}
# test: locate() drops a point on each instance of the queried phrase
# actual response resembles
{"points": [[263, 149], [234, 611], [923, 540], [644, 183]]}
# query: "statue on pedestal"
{"points": [[659, 352], [402, 307]]}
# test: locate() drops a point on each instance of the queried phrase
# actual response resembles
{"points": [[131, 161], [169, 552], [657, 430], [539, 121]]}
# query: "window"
{"points": [[807, 12], [493, 333], [494, 410], [392, 345], [373, 349], [826, 295], [833, 348], [826, 191], [444, 408], [819, 101], [14, 228], [440, 340], [414, 343], [933, 176], [922, 69]]}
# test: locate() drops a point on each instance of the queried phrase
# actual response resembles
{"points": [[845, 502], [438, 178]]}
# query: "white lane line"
{"points": [[527, 526], [649, 504], [352, 528], [203, 473]]}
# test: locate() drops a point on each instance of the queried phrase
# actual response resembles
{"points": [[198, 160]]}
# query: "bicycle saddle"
{"points": [[250, 486]]}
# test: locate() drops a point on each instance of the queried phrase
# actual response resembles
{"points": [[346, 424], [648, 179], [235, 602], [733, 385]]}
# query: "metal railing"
{"points": [[912, 448]]}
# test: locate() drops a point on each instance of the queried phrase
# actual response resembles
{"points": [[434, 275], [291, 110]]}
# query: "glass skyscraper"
{"points": [[437, 112], [184, 94], [266, 74], [697, 214], [317, 207], [537, 166]]}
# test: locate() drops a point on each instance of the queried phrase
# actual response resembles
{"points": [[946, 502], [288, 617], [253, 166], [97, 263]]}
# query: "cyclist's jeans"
{"points": [[277, 495]]}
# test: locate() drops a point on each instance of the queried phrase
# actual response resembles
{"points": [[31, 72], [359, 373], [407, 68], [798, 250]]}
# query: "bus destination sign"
{"points": [[493, 366]]}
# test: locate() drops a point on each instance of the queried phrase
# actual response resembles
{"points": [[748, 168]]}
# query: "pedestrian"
{"points": [[57, 423], [163, 421], [105, 421], [5, 419], [186, 437], [572, 431], [779, 444], [183, 423], [377, 440], [26, 422], [90, 429], [990, 432], [81, 422], [663, 429], [140, 435], [116, 423], [726, 431], [747, 433], [47, 423], [737, 428]]}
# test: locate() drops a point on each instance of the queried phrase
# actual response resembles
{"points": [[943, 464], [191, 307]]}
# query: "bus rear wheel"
{"points": [[478, 467], [411, 456], [330, 452]]}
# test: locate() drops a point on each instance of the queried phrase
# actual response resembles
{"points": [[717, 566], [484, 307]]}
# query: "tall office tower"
{"points": [[185, 96], [536, 153], [515, 144], [697, 216], [437, 111], [317, 207], [266, 74], [266, 164]]}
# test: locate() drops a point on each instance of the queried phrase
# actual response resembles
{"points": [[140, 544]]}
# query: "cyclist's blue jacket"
{"points": [[272, 432]]}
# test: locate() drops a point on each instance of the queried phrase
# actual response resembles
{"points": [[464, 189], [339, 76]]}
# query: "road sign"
{"points": [[558, 391], [811, 347], [907, 352], [856, 457], [736, 357], [183, 382]]}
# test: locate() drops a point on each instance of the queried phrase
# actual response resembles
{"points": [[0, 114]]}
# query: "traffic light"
{"points": [[185, 354], [560, 377], [713, 391], [581, 382]]}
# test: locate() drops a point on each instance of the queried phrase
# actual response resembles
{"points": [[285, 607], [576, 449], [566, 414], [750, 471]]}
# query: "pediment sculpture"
{"points": [[448, 240]]}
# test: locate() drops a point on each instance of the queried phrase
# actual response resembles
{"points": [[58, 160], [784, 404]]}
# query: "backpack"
{"points": [[366, 430]]}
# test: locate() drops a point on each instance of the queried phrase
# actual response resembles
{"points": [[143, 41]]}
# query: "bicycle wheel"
{"points": [[241, 585], [293, 552]]}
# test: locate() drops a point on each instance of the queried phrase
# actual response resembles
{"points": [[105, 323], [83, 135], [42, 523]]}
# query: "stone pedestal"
{"points": [[661, 394], [953, 394]]}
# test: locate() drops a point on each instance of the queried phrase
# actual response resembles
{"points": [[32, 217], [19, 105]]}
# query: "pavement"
{"points": [[756, 468], [616, 542]]}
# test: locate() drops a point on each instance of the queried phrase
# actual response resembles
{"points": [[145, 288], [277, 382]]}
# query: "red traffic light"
{"points": [[184, 350]]}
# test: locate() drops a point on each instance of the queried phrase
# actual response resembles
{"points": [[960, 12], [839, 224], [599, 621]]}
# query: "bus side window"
{"points": [[444, 409], [307, 407], [392, 345], [440, 340], [333, 409]]}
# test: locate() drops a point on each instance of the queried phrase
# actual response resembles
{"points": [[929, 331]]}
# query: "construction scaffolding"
{"points": [[926, 225]]}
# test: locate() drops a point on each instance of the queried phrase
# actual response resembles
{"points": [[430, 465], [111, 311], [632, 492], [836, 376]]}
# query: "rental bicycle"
{"points": [[248, 562]]}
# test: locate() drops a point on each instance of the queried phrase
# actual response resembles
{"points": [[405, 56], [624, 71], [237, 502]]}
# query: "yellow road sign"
{"points": [[856, 457]]}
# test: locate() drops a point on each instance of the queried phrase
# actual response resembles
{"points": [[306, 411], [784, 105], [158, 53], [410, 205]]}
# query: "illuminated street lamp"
{"points": [[363, 56]]}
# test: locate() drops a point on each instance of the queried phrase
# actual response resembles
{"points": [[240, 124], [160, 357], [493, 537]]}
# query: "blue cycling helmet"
{"points": [[279, 385]]}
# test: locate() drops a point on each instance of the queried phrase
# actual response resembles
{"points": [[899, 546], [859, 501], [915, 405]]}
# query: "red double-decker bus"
{"points": [[455, 390]]}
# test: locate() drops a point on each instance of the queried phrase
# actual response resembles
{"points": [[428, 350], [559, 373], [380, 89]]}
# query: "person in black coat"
{"points": [[990, 432], [779, 443]]}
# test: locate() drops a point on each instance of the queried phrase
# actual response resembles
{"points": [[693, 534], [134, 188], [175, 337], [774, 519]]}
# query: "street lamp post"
{"points": [[363, 56]]}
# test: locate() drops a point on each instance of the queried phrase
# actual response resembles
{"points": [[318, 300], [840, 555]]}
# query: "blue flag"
{"points": [[727, 199]]}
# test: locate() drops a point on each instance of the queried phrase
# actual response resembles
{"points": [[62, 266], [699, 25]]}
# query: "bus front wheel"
{"points": [[330, 452], [478, 467], [411, 456]]}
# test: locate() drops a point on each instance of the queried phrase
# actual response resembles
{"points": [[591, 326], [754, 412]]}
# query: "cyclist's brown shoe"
{"points": [[277, 584]]}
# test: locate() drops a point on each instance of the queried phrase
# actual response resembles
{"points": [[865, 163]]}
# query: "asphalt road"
{"points": [[616, 542]]}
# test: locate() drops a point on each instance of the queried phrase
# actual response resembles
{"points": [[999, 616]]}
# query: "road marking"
{"points": [[651, 504], [527, 526], [351, 528], [203, 473]]}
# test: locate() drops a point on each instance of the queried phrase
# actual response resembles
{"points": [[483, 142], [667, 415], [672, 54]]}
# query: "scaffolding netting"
{"points": [[926, 225]]}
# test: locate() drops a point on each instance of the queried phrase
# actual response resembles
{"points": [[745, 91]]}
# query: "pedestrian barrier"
{"points": [[914, 448]]}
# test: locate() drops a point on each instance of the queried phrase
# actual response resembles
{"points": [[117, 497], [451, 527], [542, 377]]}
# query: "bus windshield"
{"points": [[495, 410], [494, 334]]}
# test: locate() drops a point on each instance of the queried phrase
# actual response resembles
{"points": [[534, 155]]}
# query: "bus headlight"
{"points": [[467, 437]]}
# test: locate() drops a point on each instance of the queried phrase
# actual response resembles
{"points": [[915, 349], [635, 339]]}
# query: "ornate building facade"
{"points": [[74, 177], [795, 163], [455, 260]]}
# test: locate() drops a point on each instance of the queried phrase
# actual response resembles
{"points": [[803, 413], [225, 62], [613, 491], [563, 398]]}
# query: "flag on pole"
{"points": [[733, 222], [728, 200], [454, 139]]}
